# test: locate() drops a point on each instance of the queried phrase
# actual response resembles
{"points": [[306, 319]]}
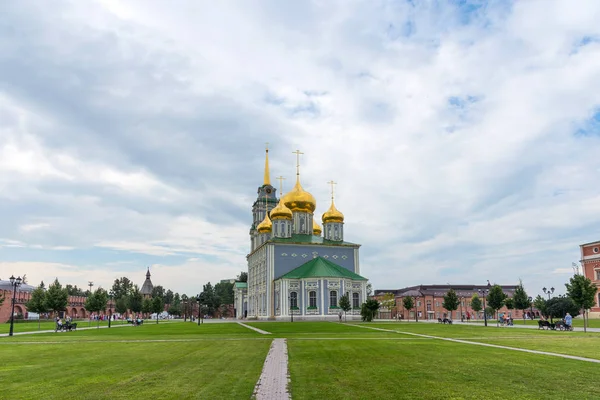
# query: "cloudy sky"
{"points": [[464, 136]]}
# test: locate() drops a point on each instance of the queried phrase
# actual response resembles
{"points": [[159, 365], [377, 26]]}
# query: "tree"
{"points": [[476, 303], [121, 305], [368, 310], [157, 306], [408, 303], [582, 291], [345, 305], [558, 307], [57, 298], [369, 289], [168, 298], [175, 307], [42, 285], [135, 300], [224, 310], [224, 292], [37, 303], [209, 299], [509, 303], [495, 299], [121, 287], [96, 302], [540, 303], [74, 290], [451, 301], [158, 291], [242, 277], [146, 306], [520, 299]]}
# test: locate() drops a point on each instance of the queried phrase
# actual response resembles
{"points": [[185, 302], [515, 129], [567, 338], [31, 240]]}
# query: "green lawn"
{"points": [[577, 322], [29, 326], [175, 360]]}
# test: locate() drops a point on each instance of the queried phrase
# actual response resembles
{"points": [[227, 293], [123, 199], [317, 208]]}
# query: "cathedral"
{"points": [[296, 269]]}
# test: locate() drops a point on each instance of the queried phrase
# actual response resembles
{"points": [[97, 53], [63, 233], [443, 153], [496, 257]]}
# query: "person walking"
{"points": [[568, 321]]}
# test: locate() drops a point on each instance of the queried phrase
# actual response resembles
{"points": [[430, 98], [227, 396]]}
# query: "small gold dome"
{"points": [[316, 228], [332, 215], [281, 211], [300, 200], [265, 226]]}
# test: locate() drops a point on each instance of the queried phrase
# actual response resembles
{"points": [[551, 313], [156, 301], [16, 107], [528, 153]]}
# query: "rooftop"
{"points": [[321, 268]]}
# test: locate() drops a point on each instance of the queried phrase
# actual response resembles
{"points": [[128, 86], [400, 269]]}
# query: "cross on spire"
{"points": [[297, 152], [280, 179], [332, 183]]}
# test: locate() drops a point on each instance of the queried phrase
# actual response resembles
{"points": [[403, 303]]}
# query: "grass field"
{"points": [[326, 361], [577, 322]]}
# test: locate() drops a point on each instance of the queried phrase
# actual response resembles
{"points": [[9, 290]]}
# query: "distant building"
{"points": [[428, 302], [232, 280], [590, 260], [240, 299], [147, 287]]}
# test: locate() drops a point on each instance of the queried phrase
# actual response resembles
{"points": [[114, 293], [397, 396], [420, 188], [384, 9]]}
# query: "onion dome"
{"points": [[316, 228], [265, 226], [332, 215], [299, 200], [281, 211]]}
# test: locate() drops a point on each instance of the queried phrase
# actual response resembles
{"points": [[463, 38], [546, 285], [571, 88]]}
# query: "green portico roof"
{"points": [[321, 268], [241, 285], [310, 239]]}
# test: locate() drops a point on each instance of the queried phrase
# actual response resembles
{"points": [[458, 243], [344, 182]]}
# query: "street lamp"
{"points": [[200, 315], [15, 283], [462, 317], [548, 292], [531, 307], [291, 310], [110, 298], [483, 293]]}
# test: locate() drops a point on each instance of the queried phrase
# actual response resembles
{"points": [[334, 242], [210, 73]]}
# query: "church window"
{"points": [[333, 298], [312, 298], [598, 275], [355, 300], [294, 300]]}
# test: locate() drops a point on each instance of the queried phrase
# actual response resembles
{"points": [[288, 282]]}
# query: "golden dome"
{"points": [[265, 226], [316, 228], [281, 211], [300, 200], [332, 215]]}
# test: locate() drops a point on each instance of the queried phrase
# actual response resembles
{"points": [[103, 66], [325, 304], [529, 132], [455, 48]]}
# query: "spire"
{"points": [[267, 180], [148, 273], [298, 153]]}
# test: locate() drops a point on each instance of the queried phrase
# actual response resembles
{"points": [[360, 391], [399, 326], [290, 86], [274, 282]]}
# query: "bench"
{"points": [[66, 327], [444, 321], [546, 325]]}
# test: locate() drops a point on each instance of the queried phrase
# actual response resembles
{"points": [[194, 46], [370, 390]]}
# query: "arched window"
{"points": [[333, 298], [312, 298], [355, 300], [294, 300]]}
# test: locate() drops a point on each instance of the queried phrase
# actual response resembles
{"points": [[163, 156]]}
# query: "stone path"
{"points": [[485, 344], [255, 329], [274, 380]]}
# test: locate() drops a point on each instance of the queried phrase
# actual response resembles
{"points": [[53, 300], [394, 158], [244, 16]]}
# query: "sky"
{"points": [[463, 135]]}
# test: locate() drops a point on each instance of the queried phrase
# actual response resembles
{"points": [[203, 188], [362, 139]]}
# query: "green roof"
{"points": [[241, 285], [321, 268], [310, 239]]}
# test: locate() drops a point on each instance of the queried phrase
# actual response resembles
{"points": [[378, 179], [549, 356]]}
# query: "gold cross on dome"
{"points": [[297, 153], [280, 179], [332, 183]]}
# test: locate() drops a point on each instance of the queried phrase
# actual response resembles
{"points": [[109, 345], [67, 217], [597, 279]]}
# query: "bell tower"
{"points": [[265, 202]]}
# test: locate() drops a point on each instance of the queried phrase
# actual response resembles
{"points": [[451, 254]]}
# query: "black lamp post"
{"points": [[531, 307], [291, 310], [15, 283], [484, 293], [548, 292], [200, 315], [462, 317], [110, 297]]}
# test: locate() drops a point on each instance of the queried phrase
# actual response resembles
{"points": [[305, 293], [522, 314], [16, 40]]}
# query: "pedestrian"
{"points": [[340, 315], [568, 320]]}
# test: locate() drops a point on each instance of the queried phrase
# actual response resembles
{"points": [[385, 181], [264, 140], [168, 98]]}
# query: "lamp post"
{"points": [[548, 292], [200, 316], [110, 298], [291, 310], [531, 307], [15, 283], [484, 293], [462, 317]]}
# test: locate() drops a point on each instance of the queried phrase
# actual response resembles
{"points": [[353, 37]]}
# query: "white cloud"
{"points": [[454, 145]]}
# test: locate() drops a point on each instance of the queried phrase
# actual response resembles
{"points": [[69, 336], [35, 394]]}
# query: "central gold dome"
{"points": [[299, 199], [281, 211]]}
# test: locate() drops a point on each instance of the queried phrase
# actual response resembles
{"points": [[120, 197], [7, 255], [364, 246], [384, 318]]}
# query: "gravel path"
{"points": [[274, 379], [255, 329]]}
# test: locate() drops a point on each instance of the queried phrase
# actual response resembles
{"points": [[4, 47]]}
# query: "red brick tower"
{"points": [[590, 260]]}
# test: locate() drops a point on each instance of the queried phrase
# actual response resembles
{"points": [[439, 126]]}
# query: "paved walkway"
{"points": [[255, 329], [484, 344], [274, 380], [529, 325]]}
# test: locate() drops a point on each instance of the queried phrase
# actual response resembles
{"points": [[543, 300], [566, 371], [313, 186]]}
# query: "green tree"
{"points": [[158, 291], [74, 290], [135, 300], [521, 299], [369, 289], [451, 301], [121, 305], [559, 306], [224, 292], [168, 298], [408, 304], [369, 309], [582, 291], [175, 306], [96, 302], [476, 303], [210, 299], [37, 303], [495, 299], [146, 306], [540, 303], [242, 277], [121, 287], [345, 305], [388, 301], [509, 303], [157, 306], [57, 298]]}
